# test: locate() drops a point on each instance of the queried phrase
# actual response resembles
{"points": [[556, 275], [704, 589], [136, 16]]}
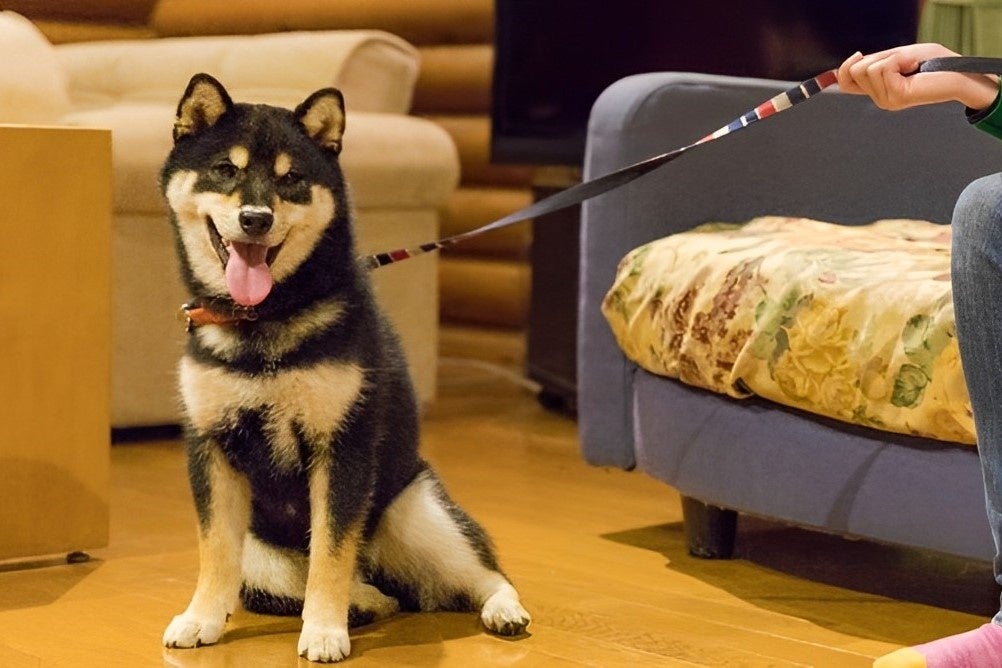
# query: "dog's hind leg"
{"points": [[222, 500], [275, 584], [274, 578], [442, 559]]}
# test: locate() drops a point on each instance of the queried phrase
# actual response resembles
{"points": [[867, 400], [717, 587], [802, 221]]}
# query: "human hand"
{"points": [[885, 77]]}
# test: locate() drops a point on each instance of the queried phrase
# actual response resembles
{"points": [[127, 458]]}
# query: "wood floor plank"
{"points": [[598, 555]]}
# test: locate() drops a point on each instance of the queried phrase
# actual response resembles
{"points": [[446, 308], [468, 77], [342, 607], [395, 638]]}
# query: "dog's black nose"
{"points": [[255, 222]]}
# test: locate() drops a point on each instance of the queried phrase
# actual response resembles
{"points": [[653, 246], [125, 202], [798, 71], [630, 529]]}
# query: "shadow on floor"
{"points": [[792, 571]]}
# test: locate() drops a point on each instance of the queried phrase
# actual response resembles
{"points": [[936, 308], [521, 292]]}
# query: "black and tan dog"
{"points": [[302, 428]]}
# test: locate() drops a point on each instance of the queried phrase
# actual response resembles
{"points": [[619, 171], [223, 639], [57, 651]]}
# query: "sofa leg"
{"points": [[709, 530]]}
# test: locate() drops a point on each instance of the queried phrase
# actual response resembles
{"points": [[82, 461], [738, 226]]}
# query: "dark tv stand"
{"points": [[551, 342]]}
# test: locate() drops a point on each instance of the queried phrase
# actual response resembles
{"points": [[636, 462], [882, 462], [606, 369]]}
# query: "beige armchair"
{"points": [[401, 170]]}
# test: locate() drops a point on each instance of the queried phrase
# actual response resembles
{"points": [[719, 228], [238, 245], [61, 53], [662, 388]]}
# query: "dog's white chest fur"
{"points": [[312, 399]]}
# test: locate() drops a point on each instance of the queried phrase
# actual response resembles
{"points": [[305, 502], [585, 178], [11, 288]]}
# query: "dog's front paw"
{"points": [[190, 630], [504, 615], [325, 643]]}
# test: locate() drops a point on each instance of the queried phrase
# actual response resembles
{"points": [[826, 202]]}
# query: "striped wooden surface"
{"points": [[597, 554]]}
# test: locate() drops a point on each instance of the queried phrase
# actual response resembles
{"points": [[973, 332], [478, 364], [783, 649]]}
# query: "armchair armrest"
{"points": [[375, 70], [32, 84]]}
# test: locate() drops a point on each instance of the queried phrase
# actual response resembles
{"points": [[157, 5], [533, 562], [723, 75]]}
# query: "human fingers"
{"points": [[868, 73], [885, 76], [846, 83], [853, 75], [885, 80]]}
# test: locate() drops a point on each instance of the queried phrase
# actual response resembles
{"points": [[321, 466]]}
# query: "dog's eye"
{"points": [[225, 169], [291, 178]]}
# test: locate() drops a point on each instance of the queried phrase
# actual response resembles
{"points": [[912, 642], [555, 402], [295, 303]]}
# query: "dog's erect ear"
{"points": [[203, 102], [322, 114]]}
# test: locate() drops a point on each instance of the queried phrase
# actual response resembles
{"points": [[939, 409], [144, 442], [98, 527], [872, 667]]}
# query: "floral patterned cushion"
{"points": [[853, 323]]}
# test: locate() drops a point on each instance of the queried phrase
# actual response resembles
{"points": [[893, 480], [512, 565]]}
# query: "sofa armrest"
{"points": [[32, 84], [375, 70], [635, 118], [836, 157]]}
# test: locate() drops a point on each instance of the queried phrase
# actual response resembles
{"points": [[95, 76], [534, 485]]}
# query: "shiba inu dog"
{"points": [[301, 423]]}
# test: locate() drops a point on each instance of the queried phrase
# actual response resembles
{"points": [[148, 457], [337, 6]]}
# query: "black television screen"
{"points": [[554, 57]]}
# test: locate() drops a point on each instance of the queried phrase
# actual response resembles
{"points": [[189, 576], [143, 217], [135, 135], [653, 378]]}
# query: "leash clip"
{"points": [[183, 316]]}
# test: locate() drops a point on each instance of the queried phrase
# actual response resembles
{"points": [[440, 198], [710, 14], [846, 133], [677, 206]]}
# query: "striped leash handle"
{"points": [[583, 191]]}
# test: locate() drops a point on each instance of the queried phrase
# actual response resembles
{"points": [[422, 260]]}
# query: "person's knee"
{"points": [[977, 216]]}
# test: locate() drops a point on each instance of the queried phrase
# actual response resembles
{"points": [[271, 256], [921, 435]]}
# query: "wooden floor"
{"points": [[598, 556]]}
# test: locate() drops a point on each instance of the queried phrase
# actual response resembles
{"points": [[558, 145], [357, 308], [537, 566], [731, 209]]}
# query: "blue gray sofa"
{"points": [[836, 158]]}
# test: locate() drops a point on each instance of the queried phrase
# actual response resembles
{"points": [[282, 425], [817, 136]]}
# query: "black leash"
{"points": [[965, 64], [584, 191]]}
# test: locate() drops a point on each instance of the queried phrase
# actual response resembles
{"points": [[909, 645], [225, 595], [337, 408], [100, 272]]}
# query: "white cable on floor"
{"points": [[494, 369]]}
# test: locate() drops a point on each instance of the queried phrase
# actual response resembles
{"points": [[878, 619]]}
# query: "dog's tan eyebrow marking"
{"points": [[239, 156], [283, 163]]}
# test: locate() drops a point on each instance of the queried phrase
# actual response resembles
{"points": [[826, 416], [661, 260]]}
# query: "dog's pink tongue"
{"points": [[248, 276]]}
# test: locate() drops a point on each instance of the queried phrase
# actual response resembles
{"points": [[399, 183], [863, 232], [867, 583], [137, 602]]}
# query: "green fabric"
{"points": [[990, 120], [970, 27], [992, 123]]}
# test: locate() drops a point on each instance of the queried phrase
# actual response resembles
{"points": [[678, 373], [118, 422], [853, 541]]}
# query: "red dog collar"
{"points": [[197, 315]]}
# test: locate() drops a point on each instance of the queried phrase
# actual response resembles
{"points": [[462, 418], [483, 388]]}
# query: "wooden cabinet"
{"points": [[55, 333]]}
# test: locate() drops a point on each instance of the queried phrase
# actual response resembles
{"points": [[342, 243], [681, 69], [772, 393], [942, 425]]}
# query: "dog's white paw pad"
{"points": [[188, 630], [324, 643], [504, 615]]}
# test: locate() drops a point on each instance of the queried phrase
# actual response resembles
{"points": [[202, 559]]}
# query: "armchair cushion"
{"points": [[33, 87], [401, 162], [852, 322]]}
